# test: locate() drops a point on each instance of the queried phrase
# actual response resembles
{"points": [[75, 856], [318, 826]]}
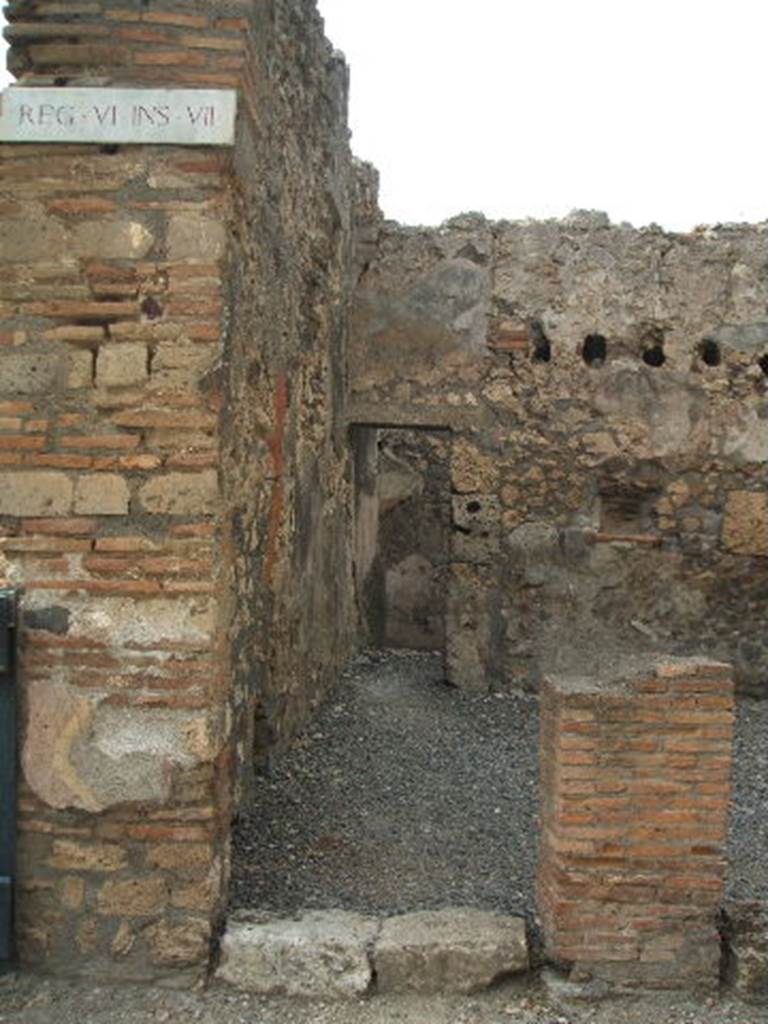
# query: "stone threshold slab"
{"points": [[342, 955]]}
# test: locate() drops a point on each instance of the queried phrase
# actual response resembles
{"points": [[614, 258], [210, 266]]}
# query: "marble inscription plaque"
{"points": [[176, 117]]}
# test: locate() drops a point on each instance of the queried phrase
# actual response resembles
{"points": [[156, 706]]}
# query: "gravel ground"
{"points": [[748, 838], [404, 794], [38, 1001]]}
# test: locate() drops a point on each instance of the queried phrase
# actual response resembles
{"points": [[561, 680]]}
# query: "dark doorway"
{"points": [[403, 535]]}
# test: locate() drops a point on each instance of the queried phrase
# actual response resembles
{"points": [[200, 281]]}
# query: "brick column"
{"points": [[112, 507], [635, 776], [173, 480]]}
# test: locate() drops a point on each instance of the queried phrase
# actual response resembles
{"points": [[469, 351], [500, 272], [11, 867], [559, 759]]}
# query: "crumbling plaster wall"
{"points": [[598, 505]]}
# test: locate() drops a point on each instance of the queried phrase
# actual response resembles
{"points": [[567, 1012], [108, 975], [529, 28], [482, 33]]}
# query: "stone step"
{"points": [[341, 955]]}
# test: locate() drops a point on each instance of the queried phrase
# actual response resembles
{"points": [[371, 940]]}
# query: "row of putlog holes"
{"points": [[594, 351]]}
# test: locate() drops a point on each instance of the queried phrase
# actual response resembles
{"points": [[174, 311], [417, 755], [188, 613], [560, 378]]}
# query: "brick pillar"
{"points": [[635, 776], [171, 468], [112, 507]]}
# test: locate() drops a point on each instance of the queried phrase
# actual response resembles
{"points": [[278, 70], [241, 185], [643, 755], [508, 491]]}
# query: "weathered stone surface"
{"points": [[181, 494], [746, 437], [69, 855], [111, 240], [73, 893], [438, 318], [133, 897], [30, 239], [122, 365], [31, 493], [79, 369], [749, 337], [180, 944], [745, 526], [115, 254], [123, 940], [747, 938], [127, 620], [396, 485], [27, 373], [61, 711], [455, 950], [468, 627], [106, 755], [409, 588], [196, 238], [102, 494], [476, 535], [186, 858], [472, 470], [323, 955]]}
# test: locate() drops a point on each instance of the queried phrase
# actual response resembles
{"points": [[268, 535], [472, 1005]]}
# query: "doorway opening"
{"points": [[412, 788], [402, 542]]}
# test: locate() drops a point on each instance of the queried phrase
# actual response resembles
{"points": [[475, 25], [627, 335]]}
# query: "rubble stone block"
{"points": [[133, 897], [31, 239], [747, 936], [745, 527], [74, 856], [101, 494], [476, 535], [179, 945], [181, 494], [79, 369], [105, 756], [454, 950], [195, 238], [121, 365], [323, 955], [111, 240], [36, 494], [471, 469], [28, 373]]}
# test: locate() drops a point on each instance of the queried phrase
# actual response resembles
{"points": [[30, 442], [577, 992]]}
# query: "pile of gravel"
{"points": [[403, 794]]}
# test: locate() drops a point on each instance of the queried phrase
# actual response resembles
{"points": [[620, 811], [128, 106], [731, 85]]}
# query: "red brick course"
{"points": [[635, 784]]}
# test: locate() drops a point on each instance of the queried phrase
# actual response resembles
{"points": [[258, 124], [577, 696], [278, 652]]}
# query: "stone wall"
{"points": [[286, 451], [174, 474], [606, 392]]}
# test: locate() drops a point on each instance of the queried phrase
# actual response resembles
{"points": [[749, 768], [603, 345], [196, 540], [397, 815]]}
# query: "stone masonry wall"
{"points": [[606, 392], [161, 372], [287, 456], [635, 768]]}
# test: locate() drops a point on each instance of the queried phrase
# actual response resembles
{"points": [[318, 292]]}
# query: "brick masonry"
{"points": [[161, 371], [635, 783]]}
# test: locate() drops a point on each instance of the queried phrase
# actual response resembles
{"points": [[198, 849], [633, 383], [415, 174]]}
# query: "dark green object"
{"points": [[8, 634]]}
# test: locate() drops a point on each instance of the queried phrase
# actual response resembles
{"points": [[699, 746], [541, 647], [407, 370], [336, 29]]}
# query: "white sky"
{"points": [[651, 111]]}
